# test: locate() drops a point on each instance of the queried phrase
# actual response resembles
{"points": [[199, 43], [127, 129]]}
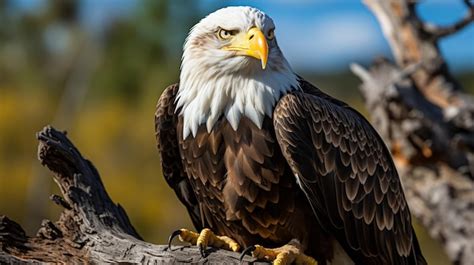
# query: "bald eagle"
{"points": [[260, 156]]}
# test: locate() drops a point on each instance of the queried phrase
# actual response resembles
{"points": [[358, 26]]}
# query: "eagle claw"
{"points": [[204, 239], [246, 251], [288, 254], [172, 236], [202, 251]]}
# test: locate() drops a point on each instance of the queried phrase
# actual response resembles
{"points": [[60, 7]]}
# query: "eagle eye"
{"points": [[271, 34], [224, 34]]}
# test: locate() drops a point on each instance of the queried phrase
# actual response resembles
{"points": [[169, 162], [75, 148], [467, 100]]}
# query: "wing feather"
{"points": [[348, 176], [173, 171]]}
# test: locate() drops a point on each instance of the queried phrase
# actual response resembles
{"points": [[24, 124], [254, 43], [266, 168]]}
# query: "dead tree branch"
{"points": [[412, 43], [428, 123], [438, 32], [91, 228]]}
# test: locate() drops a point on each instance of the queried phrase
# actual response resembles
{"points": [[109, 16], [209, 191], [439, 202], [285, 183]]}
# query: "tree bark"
{"points": [[91, 228], [427, 121]]}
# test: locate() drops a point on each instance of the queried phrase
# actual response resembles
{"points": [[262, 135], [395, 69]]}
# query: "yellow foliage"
{"points": [[118, 138]]}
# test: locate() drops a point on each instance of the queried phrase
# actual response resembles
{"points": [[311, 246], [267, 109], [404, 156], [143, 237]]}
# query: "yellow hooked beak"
{"points": [[253, 44]]}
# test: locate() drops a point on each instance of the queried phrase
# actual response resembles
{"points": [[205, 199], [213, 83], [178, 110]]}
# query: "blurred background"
{"points": [[97, 68]]}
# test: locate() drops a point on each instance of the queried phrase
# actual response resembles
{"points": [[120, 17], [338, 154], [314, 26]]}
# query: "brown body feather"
{"points": [[316, 172]]}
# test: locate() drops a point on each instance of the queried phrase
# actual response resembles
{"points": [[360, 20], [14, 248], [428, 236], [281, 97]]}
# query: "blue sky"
{"points": [[328, 35], [319, 35]]}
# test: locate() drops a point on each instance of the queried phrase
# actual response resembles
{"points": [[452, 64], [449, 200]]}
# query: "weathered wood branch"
{"points": [[428, 122], [439, 31], [91, 228], [412, 44]]}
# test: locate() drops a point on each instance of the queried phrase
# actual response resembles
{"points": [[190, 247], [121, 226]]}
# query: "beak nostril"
{"points": [[251, 37]]}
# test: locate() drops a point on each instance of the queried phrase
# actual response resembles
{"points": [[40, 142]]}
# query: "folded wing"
{"points": [[348, 176]]}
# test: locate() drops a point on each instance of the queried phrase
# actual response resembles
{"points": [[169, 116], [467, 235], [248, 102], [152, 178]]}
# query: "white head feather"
{"points": [[216, 83]]}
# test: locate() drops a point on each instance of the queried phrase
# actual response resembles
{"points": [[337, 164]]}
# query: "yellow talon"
{"points": [[207, 238], [204, 237], [188, 236], [284, 258], [263, 253], [230, 243], [288, 254]]}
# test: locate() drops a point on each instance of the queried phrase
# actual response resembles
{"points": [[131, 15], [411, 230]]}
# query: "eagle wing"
{"points": [[348, 176], [167, 139]]}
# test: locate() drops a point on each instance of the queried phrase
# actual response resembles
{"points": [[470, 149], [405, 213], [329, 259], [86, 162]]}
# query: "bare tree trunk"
{"points": [[91, 228], [427, 121]]}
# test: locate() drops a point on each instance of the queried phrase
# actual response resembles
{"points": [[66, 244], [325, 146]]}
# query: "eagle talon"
{"points": [[202, 251], [288, 254], [204, 239], [172, 236], [246, 251]]}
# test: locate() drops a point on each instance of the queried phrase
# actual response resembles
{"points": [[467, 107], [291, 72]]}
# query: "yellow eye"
{"points": [[271, 34], [225, 34]]}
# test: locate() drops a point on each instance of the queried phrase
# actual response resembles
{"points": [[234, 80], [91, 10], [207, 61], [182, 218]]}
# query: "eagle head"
{"points": [[232, 67]]}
